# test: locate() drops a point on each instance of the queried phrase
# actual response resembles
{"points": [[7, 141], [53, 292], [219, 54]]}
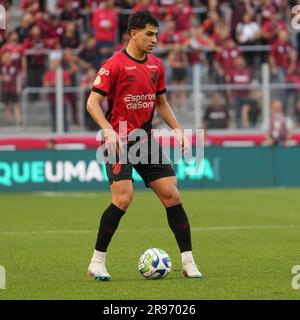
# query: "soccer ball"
{"points": [[154, 263]]}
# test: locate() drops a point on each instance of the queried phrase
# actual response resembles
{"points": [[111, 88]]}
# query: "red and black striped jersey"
{"points": [[131, 87]]}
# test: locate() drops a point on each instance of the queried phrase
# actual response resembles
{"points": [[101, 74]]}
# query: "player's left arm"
{"points": [[166, 113]]}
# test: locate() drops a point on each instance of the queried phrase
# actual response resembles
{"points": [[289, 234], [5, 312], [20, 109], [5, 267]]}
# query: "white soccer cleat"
{"points": [[190, 270], [97, 270], [189, 267]]}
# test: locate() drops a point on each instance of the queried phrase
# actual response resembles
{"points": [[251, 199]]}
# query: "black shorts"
{"points": [[148, 172]]}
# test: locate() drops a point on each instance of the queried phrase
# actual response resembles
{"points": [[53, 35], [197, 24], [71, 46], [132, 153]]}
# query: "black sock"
{"points": [[179, 224], [108, 225]]}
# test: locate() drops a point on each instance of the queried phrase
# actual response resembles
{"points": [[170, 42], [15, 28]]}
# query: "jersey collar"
{"points": [[132, 58]]}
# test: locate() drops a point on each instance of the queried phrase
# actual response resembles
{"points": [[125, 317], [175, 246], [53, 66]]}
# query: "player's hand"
{"points": [[112, 142], [183, 141]]}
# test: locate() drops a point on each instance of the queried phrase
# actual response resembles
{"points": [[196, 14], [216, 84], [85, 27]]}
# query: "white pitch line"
{"points": [[215, 228], [15, 233], [50, 194], [222, 228]]}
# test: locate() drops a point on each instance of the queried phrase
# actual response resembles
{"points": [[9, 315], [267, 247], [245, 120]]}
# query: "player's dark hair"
{"points": [[140, 19]]}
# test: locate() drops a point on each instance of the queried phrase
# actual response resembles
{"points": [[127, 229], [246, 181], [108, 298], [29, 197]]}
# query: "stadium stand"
{"points": [[211, 34]]}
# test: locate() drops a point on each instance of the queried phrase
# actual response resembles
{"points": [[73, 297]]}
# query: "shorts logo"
{"points": [[116, 168], [97, 81], [103, 72]]}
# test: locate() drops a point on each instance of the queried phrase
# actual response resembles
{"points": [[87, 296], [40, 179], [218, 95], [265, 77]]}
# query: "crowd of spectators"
{"points": [[215, 35]]}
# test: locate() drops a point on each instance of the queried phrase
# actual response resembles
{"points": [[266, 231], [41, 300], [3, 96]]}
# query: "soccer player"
{"points": [[132, 75]]}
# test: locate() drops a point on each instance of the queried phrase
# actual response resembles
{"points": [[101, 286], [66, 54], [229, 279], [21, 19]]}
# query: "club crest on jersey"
{"points": [[97, 81], [154, 75]]}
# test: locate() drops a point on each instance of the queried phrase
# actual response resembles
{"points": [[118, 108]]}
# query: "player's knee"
{"points": [[123, 200], [175, 197], [171, 198]]}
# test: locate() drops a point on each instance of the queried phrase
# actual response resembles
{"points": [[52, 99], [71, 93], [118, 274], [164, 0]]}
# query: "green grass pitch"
{"points": [[245, 243]]}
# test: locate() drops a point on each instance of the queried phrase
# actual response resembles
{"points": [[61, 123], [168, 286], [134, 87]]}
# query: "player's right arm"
{"points": [[112, 140], [103, 84], [93, 107]]}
